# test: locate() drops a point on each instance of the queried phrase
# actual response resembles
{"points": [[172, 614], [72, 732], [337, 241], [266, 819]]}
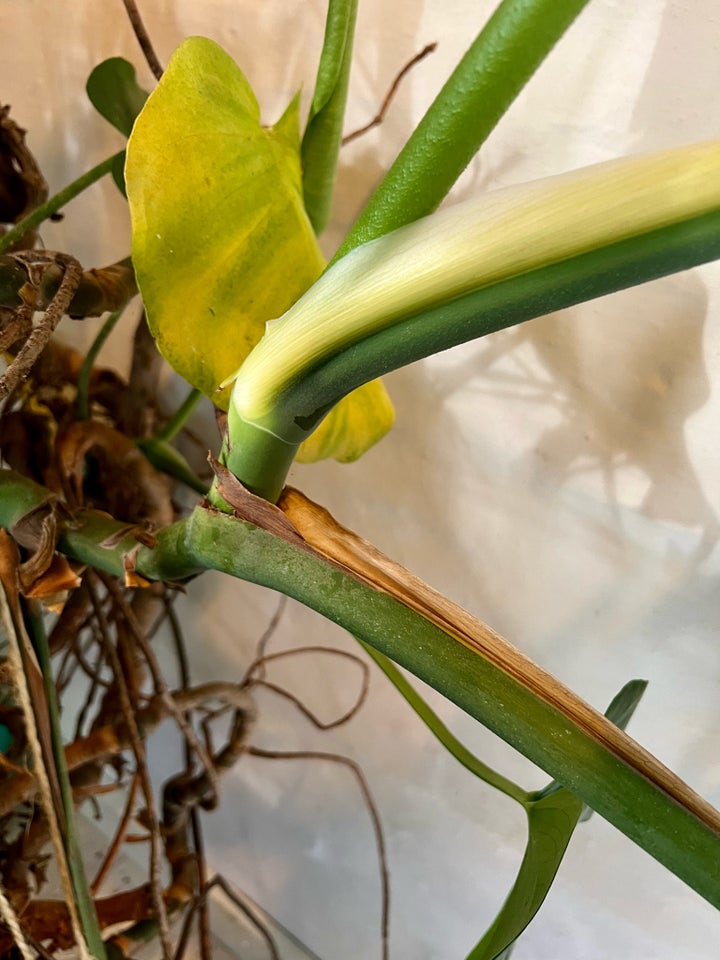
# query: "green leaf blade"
{"points": [[552, 815], [115, 93], [551, 823]]}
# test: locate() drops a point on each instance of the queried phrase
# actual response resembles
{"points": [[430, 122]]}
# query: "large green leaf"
{"points": [[221, 240]]}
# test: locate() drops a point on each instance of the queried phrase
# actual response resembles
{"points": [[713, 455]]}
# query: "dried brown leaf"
{"points": [[253, 509], [22, 186], [122, 480]]}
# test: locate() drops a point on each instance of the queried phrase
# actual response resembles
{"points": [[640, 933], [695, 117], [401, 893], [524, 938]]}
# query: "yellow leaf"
{"points": [[221, 240], [356, 423]]}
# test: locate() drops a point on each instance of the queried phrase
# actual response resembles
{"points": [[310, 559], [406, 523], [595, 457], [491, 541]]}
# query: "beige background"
{"points": [[560, 480]]}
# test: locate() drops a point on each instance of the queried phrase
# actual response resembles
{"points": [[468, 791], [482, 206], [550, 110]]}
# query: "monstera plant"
{"points": [[242, 303]]}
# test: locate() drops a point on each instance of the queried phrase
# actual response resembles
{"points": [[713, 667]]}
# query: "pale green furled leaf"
{"points": [[221, 240], [356, 423]]}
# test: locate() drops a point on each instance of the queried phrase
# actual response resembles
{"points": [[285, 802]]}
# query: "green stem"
{"points": [[57, 202], [509, 49], [83, 898], [178, 419], [682, 834], [83, 385], [260, 459], [431, 720]]}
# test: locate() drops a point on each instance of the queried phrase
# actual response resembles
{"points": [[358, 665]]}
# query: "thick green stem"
{"points": [[614, 785], [260, 459], [57, 202], [509, 49]]}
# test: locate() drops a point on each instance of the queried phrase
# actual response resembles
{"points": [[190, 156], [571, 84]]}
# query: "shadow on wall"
{"points": [[623, 375], [620, 377]]}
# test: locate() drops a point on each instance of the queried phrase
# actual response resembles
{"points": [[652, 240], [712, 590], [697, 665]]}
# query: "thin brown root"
{"points": [[259, 665], [237, 901], [141, 766], [269, 632], [161, 686], [119, 836], [371, 808]]}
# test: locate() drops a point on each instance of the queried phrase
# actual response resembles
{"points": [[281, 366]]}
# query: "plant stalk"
{"points": [[58, 201], [683, 834], [508, 50]]}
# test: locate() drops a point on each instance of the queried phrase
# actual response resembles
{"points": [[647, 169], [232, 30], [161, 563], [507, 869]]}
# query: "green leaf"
{"points": [[551, 822], [116, 95], [221, 240], [624, 703], [323, 133], [552, 818], [552, 814]]}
